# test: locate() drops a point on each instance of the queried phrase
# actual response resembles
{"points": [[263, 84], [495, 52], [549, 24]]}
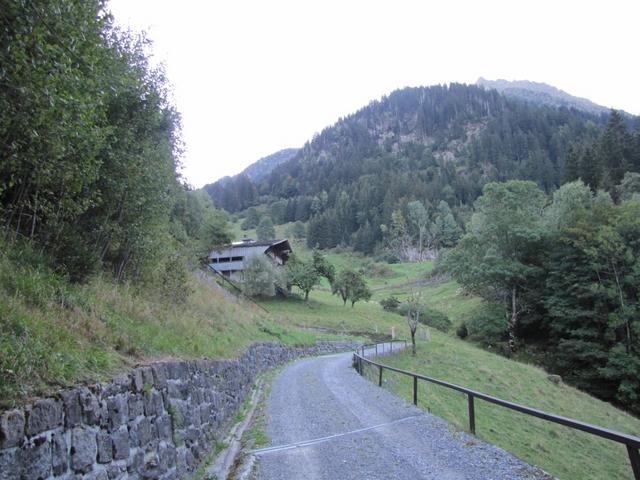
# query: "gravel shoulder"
{"points": [[326, 422]]}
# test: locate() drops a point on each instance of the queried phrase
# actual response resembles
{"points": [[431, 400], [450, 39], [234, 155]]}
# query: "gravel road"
{"points": [[327, 422]]}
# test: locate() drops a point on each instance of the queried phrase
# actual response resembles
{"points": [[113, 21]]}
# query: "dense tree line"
{"points": [[89, 146], [432, 144], [565, 275], [603, 163]]}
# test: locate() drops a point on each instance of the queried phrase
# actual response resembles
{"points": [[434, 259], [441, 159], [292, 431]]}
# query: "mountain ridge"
{"points": [[542, 93]]}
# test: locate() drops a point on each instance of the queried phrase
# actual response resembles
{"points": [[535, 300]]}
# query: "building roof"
{"points": [[247, 247]]}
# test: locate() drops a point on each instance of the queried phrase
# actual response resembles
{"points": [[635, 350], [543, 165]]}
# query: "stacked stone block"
{"points": [[157, 422]]}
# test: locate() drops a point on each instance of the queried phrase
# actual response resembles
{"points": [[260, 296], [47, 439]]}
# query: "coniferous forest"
{"points": [[432, 144]]}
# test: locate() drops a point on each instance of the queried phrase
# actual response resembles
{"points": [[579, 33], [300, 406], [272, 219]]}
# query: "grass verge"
{"points": [[563, 452]]}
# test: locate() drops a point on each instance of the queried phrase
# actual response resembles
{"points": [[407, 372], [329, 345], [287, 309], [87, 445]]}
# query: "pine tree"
{"points": [[445, 230], [590, 169], [615, 150], [572, 165]]}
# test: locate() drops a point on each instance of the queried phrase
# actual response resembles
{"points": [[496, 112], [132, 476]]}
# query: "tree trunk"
{"points": [[306, 296], [513, 321], [413, 342], [34, 216], [622, 307]]}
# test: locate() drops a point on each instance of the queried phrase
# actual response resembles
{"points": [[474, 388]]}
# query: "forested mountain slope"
{"points": [[239, 192], [429, 143]]}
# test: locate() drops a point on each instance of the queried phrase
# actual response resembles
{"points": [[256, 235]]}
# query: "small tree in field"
{"points": [[303, 275], [413, 309], [261, 277], [350, 285]]}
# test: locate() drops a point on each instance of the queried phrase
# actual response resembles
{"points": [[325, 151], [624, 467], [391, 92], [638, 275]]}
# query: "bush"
{"points": [[261, 277], [435, 319], [388, 257], [390, 304], [380, 270], [462, 332], [487, 324]]}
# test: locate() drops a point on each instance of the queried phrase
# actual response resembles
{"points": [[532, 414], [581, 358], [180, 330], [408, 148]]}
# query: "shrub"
{"points": [[390, 304], [261, 277], [487, 324], [435, 319], [462, 332]]}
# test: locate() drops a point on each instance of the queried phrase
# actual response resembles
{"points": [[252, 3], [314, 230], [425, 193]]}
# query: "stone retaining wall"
{"points": [[156, 422]]}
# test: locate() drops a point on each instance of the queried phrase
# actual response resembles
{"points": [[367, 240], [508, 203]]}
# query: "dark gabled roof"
{"points": [[247, 247]]}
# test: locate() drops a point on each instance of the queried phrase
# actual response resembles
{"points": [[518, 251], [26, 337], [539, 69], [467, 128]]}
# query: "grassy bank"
{"points": [[55, 333], [563, 452]]}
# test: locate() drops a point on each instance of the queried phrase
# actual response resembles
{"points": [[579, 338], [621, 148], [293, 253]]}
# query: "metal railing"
{"points": [[631, 442]]}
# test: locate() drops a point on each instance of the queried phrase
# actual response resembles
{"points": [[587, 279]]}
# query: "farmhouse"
{"points": [[230, 261]]}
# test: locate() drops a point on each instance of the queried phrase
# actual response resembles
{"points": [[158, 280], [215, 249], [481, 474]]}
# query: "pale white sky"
{"points": [[254, 77]]}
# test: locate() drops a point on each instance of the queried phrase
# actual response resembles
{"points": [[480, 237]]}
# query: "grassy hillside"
{"points": [[565, 453], [54, 333]]}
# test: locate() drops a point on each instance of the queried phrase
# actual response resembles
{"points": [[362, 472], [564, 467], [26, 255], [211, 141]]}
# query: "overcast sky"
{"points": [[253, 77]]}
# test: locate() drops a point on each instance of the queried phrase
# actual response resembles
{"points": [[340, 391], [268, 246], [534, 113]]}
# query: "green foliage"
{"points": [[198, 225], [265, 229], [436, 319], [604, 162], [261, 276], [497, 258], [351, 285], [579, 301], [592, 295], [487, 325], [297, 231], [251, 220], [303, 275], [419, 222], [390, 303], [89, 141], [629, 188], [323, 267], [445, 229]]}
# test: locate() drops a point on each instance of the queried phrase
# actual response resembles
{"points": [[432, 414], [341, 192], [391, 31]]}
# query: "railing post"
{"points": [[380, 377], [472, 415], [634, 458], [415, 391]]}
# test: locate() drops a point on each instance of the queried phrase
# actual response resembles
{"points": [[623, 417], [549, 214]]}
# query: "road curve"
{"points": [[326, 422]]}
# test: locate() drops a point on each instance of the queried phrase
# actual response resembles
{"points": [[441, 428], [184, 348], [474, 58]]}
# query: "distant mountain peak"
{"points": [[261, 168], [541, 93]]}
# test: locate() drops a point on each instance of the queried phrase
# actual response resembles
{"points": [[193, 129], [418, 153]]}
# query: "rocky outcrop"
{"points": [[156, 422]]}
